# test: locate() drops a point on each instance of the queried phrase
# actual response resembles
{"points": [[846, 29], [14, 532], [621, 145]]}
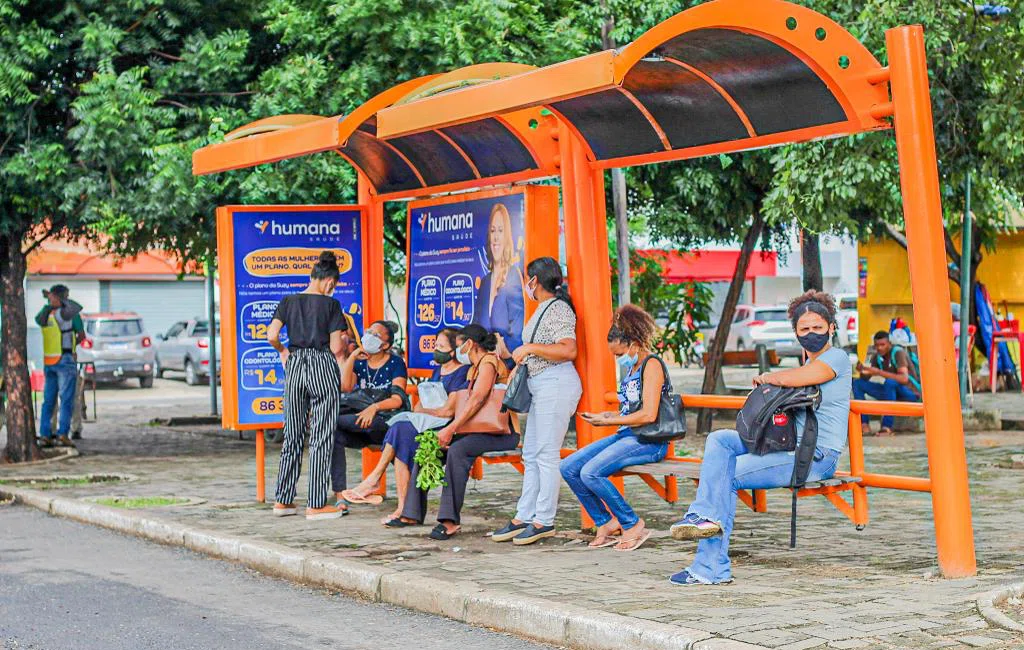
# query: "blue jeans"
{"points": [[61, 379], [587, 471], [890, 391], [727, 468]]}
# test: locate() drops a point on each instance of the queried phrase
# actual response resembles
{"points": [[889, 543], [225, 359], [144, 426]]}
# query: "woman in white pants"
{"points": [[547, 353]]}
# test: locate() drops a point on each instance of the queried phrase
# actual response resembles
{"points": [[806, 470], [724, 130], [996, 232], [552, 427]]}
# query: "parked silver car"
{"points": [[847, 322], [186, 347], [118, 347], [760, 324]]}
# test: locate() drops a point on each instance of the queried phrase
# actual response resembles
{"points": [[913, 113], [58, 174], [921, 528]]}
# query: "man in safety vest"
{"points": [[62, 330]]}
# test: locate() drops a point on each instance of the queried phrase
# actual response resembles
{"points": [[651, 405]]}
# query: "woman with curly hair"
{"points": [[728, 467], [587, 471]]}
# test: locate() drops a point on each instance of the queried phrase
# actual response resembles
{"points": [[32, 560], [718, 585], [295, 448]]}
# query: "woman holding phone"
{"points": [[311, 386], [588, 470]]}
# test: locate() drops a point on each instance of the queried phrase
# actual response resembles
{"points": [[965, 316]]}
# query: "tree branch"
{"points": [[165, 55], [138, 22], [174, 103], [51, 231], [217, 94], [896, 235]]}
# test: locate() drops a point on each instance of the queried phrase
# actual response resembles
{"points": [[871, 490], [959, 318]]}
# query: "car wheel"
{"points": [[158, 372], [191, 376], [146, 382]]}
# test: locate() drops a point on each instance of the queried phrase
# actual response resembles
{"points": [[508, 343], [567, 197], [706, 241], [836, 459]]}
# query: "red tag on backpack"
{"points": [[780, 419]]}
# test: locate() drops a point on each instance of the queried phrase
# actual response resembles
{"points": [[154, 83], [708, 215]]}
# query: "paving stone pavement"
{"points": [[839, 589]]}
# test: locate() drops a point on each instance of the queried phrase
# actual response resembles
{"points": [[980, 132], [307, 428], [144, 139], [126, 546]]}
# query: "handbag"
{"points": [[491, 418], [671, 422], [518, 397]]}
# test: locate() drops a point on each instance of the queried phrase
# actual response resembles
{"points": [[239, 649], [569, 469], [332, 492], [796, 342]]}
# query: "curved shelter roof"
{"points": [[728, 75]]}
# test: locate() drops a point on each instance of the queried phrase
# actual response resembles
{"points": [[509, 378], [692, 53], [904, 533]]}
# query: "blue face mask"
{"points": [[627, 362]]}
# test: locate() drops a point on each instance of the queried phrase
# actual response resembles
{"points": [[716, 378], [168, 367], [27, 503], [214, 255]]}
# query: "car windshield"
{"points": [[202, 328], [131, 327], [771, 315]]}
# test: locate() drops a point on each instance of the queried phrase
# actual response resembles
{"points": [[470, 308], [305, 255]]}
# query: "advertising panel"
{"points": [[467, 263], [266, 253]]}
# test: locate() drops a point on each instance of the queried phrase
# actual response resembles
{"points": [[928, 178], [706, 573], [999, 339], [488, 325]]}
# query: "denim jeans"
{"points": [[890, 391], [587, 472], [556, 394], [727, 468], [61, 380]]}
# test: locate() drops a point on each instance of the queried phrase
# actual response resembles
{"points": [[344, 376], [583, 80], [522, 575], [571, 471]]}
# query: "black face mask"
{"points": [[813, 342], [441, 358]]}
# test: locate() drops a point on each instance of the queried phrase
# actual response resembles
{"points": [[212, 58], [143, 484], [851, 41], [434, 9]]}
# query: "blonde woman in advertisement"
{"points": [[500, 307]]}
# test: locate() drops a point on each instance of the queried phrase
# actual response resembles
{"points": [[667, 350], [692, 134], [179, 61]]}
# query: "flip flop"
{"points": [[607, 541], [637, 542], [398, 523], [353, 497], [441, 534]]}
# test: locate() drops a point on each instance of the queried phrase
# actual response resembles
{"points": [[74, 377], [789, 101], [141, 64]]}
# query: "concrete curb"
{"points": [[533, 618], [987, 607]]}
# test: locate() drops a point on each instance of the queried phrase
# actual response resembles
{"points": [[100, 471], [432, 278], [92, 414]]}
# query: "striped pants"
{"points": [[312, 388]]}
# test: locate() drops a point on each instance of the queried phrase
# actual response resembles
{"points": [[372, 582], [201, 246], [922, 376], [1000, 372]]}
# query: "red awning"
{"points": [[711, 266]]}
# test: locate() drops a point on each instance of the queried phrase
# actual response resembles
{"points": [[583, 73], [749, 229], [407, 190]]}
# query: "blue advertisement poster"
{"points": [[465, 266], [274, 251]]}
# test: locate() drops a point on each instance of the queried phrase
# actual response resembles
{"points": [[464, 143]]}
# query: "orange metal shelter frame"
{"points": [[726, 76]]}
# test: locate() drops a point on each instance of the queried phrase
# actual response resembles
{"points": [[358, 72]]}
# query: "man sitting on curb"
{"points": [[902, 379]]}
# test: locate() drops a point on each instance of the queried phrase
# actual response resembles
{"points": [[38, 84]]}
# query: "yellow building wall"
{"points": [[888, 283]]}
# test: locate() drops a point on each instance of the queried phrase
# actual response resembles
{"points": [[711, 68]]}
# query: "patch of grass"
{"points": [[139, 502], [58, 483]]}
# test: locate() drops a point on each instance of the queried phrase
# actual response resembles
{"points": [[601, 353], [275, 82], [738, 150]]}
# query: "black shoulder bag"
{"points": [[517, 396], [671, 422]]}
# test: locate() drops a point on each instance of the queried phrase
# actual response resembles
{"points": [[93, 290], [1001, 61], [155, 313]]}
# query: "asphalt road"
{"points": [[65, 585]]}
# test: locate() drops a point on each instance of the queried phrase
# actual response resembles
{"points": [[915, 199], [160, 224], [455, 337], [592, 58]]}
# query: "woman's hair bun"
{"points": [[326, 267], [328, 257]]}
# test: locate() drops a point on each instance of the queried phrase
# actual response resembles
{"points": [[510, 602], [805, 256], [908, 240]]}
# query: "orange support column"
{"points": [[586, 250], [261, 467], [373, 286], [922, 213]]}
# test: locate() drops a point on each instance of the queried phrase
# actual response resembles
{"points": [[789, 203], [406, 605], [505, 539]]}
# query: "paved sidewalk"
{"points": [[839, 589]]}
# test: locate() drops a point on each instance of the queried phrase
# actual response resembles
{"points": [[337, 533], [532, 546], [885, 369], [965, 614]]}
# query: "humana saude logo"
{"points": [[446, 222], [287, 229]]}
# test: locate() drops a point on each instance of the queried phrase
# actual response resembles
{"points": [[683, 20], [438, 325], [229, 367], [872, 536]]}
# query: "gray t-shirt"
{"points": [[834, 411]]}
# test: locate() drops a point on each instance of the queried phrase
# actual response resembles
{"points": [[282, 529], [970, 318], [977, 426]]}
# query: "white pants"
{"points": [[556, 394]]}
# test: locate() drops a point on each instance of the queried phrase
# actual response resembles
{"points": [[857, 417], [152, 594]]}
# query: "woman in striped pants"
{"points": [[312, 387]]}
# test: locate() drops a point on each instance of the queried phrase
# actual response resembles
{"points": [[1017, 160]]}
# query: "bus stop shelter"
{"points": [[723, 77]]}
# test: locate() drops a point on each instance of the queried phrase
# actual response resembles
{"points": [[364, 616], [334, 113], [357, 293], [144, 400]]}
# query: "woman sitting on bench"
{"points": [[463, 446], [400, 440], [728, 468], [587, 471]]}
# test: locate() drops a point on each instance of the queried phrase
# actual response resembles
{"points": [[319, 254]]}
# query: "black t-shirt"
{"points": [[310, 319]]}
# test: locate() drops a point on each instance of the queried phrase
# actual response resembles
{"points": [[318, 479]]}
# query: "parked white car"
{"points": [[760, 324], [847, 322]]}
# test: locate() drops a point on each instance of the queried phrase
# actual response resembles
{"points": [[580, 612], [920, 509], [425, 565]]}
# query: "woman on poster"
{"points": [[500, 307]]}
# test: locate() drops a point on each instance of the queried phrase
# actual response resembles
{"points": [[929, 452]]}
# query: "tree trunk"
{"points": [[810, 254], [621, 234], [732, 298], [618, 185], [21, 430]]}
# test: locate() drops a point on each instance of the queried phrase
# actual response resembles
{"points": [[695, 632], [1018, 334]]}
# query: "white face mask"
{"points": [[372, 343], [531, 291], [462, 357]]}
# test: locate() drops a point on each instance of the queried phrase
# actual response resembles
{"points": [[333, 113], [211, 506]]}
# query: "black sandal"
{"points": [[441, 534], [397, 522]]}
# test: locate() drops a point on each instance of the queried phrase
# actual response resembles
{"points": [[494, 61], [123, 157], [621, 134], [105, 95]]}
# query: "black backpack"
{"points": [[767, 424]]}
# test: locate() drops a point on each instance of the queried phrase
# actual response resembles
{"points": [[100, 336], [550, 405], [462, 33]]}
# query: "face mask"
{"points": [[627, 362], [441, 358], [531, 291], [372, 343], [813, 342], [462, 357]]}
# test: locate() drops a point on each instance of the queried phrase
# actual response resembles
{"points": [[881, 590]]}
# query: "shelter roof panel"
{"points": [[435, 158], [492, 146]]}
